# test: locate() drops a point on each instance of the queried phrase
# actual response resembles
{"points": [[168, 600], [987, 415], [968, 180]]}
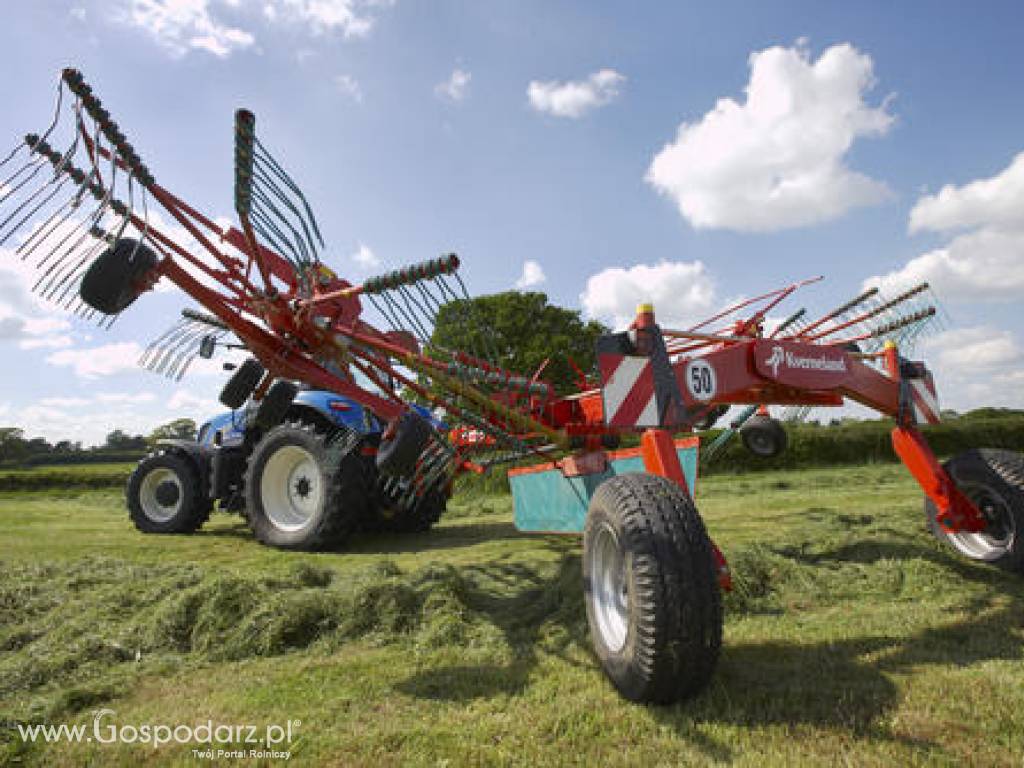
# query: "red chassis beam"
{"points": [[782, 372]]}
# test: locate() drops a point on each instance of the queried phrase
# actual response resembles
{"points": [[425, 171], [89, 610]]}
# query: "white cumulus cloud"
{"points": [[996, 202], [223, 27], [349, 86], [455, 87], [533, 274], [975, 367], [777, 159], [575, 98], [365, 257], [984, 259], [184, 25], [351, 18], [679, 290], [99, 361], [24, 318]]}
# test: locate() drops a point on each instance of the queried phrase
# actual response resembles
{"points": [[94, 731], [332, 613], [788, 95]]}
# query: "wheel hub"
{"points": [[167, 493], [160, 494], [1000, 531], [609, 589], [291, 488]]}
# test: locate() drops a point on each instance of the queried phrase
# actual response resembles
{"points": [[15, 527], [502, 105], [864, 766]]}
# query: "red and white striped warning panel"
{"points": [[627, 385], [924, 400]]}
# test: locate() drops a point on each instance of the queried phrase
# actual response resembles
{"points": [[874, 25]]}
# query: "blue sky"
{"points": [[707, 151]]}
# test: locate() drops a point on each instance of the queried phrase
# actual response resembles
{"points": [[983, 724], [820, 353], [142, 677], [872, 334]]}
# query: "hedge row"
{"points": [[809, 446], [89, 457], [869, 442], [49, 478], [812, 445]]}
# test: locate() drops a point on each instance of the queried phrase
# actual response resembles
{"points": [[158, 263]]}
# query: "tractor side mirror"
{"points": [[207, 345]]}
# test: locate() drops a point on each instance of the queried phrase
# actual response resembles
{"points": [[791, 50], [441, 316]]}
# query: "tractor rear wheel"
{"points": [[165, 495], [304, 488], [651, 590], [764, 436], [994, 481]]}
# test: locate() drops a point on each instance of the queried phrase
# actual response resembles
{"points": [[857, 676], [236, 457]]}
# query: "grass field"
{"points": [[852, 637]]}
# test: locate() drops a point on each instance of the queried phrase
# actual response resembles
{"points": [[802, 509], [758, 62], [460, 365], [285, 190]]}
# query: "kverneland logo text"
{"points": [[780, 356]]}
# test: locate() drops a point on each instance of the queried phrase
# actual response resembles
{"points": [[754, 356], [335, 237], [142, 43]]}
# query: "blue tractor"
{"points": [[276, 458]]}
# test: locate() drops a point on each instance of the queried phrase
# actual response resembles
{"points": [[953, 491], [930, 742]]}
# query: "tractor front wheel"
{"points": [[651, 591], [165, 495], [994, 481], [303, 489]]}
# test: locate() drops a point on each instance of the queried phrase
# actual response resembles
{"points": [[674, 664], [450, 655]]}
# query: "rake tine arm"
{"points": [[854, 302], [867, 315], [746, 303]]}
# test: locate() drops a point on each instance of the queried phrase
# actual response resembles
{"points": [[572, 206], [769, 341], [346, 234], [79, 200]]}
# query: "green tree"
{"points": [[119, 440], [179, 429], [13, 446], [521, 330]]}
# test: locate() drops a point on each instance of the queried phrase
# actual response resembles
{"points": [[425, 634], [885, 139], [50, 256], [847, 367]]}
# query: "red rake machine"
{"points": [[82, 201]]}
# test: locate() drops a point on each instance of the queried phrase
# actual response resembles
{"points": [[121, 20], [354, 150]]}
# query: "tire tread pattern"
{"points": [[345, 495], [1004, 466], [201, 505], [679, 608]]}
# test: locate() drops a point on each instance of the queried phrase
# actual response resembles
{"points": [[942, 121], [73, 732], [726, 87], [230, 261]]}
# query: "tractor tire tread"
{"points": [[201, 504]]}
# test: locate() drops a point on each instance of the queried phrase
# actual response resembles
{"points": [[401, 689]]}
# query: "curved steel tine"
{"points": [[179, 330], [62, 276], [306, 242], [158, 347], [218, 335], [262, 223], [91, 220], [72, 204], [185, 350], [171, 348], [74, 279], [74, 246], [36, 162], [157, 342], [88, 223], [262, 154], [56, 184], [80, 309], [27, 217]]}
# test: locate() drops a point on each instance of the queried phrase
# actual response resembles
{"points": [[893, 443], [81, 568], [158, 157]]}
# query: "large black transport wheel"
{"points": [[303, 489], [402, 444], [651, 589], [275, 404], [165, 495], [241, 384], [418, 517], [994, 481], [764, 436], [114, 280]]}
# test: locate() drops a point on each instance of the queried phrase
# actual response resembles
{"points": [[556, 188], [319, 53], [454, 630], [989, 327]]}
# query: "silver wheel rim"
{"points": [[149, 500], [989, 544], [609, 589], [291, 488]]}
